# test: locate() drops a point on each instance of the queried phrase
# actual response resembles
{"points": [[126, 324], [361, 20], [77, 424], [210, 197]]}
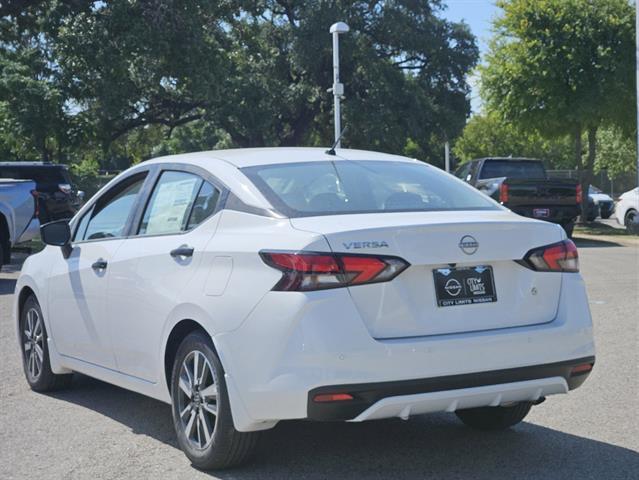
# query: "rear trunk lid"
{"points": [[407, 306]]}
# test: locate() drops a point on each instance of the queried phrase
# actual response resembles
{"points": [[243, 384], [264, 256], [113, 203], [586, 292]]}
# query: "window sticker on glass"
{"points": [[170, 204]]}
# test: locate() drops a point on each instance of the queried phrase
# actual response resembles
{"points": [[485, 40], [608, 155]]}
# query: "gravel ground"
{"points": [[95, 430]]}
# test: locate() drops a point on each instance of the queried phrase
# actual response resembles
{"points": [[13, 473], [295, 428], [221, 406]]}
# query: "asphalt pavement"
{"points": [[95, 430]]}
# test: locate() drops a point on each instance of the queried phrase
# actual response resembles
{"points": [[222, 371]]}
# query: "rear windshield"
{"points": [[39, 174], [341, 187], [523, 169]]}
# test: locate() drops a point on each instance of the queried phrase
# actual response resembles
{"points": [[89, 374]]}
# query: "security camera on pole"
{"points": [[338, 88]]}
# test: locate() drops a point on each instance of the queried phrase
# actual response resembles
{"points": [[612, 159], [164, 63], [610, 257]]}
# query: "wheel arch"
{"points": [[5, 239], [178, 333]]}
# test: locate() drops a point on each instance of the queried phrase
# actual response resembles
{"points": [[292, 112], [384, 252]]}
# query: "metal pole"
{"points": [[447, 156], [338, 88]]}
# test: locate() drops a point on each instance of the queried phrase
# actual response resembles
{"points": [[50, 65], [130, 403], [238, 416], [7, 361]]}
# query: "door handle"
{"points": [[99, 264], [182, 251]]}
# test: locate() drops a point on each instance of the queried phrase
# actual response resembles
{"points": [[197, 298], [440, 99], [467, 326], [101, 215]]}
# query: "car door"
{"points": [[155, 265], [77, 285]]}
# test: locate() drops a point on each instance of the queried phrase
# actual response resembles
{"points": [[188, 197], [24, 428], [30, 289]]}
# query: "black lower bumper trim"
{"points": [[366, 394]]}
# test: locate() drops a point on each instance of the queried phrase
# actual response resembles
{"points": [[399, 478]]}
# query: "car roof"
{"points": [[248, 157], [517, 159]]}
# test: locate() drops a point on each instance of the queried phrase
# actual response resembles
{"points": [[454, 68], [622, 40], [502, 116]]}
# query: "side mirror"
{"points": [[58, 234], [81, 195]]}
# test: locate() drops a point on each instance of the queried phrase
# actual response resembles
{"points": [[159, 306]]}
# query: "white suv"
{"points": [[246, 287]]}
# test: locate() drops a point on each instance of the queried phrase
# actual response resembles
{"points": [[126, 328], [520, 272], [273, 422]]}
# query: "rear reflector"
{"points": [[557, 257], [579, 194], [306, 271], [579, 369], [332, 397]]}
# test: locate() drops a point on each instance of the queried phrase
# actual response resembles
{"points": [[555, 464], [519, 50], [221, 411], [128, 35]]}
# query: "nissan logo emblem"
{"points": [[468, 244]]}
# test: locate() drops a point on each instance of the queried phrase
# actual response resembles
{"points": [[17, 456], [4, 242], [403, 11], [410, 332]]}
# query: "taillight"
{"points": [[503, 193], [306, 271], [65, 188], [36, 201], [579, 194], [557, 257]]}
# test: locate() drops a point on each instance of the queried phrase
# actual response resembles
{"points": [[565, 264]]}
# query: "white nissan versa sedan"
{"points": [[251, 286]]}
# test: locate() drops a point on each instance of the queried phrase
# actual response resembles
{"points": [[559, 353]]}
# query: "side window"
{"points": [[463, 171], [109, 215], [171, 203], [204, 205]]}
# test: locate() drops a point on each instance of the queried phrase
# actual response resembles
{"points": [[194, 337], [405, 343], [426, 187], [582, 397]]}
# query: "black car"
{"points": [[57, 197]]}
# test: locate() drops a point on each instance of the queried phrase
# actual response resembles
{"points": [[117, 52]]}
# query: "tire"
{"points": [[631, 221], [35, 351], [206, 409], [494, 418], [2, 249], [569, 227]]}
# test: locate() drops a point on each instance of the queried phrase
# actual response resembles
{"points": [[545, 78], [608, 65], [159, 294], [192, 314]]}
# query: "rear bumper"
{"points": [[295, 343], [391, 399], [556, 213]]}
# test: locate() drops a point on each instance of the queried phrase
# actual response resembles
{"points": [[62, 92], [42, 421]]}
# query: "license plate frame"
{"points": [[541, 212], [455, 286]]}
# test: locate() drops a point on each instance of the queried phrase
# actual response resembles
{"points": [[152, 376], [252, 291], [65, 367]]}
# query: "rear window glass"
{"points": [[513, 169], [341, 187], [40, 175]]}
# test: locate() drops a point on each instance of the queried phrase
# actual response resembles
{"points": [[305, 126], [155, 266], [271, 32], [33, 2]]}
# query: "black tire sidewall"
{"points": [[214, 453], [46, 377]]}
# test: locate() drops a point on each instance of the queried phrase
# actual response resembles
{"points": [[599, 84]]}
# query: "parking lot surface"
{"points": [[95, 430]]}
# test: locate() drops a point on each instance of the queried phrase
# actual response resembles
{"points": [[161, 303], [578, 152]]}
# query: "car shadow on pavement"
{"points": [[434, 446], [594, 243]]}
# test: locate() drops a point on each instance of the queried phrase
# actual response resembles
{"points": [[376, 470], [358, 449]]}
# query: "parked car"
{"points": [[57, 197], [600, 204], [627, 210], [523, 186], [245, 287], [18, 219]]}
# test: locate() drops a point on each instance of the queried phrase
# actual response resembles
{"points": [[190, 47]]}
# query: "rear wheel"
{"points": [[494, 418], [35, 350], [201, 408]]}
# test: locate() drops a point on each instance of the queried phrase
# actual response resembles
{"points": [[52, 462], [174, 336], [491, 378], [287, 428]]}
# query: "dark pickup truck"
{"points": [[522, 185]]}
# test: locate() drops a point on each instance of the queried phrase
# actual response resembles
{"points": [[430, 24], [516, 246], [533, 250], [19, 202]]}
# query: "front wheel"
{"points": [[35, 350], [494, 418], [631, 221], [201, 408]]}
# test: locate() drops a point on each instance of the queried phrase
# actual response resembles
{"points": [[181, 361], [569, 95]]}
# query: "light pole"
{"points": [[338, 88]]}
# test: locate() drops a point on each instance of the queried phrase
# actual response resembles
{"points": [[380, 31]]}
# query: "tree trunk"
{"points": [[585, 176], [579, 162]]}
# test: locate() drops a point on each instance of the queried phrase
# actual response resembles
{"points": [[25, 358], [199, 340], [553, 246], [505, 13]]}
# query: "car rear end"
{"points": [[413, 309], [57, 197]]}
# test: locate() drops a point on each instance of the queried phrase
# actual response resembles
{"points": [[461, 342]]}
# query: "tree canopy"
{"points": [[563, 67], [119, 81]]}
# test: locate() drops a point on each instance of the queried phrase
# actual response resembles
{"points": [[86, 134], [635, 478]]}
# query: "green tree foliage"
{"points": [[616, 152], [487, 135], [130, 79], [563, 67]]}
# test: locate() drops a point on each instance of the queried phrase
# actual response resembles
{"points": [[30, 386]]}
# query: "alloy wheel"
{"points": [[33, 342], [197, 399]]}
